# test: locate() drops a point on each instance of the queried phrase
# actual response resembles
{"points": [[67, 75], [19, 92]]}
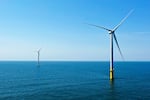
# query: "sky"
{"points": [[58, 28]]}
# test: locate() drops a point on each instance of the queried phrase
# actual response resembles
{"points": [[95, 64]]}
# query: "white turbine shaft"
{"points": [[38, 56], [111, 51]]}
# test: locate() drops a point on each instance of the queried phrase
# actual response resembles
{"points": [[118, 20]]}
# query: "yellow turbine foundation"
{"points": [[111, 74]]}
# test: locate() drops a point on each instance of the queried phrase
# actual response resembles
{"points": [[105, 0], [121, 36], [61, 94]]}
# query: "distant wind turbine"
{"points": [[112, 35], [38, 52]]}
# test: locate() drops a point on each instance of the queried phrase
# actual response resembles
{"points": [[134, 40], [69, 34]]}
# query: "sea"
{"points": [[74, 80]]}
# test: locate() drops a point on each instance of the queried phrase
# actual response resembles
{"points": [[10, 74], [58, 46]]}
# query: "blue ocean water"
{"points": [[74, 81]]}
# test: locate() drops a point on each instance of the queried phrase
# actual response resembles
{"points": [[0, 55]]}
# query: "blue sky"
{"points": [[57, 26]]}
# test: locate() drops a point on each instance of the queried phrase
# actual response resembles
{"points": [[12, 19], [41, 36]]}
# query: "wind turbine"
{"points": [[112, 35], [38, 52]]}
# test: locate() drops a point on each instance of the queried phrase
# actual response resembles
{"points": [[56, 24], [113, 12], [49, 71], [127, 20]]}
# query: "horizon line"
{"points": [[77, 60]]}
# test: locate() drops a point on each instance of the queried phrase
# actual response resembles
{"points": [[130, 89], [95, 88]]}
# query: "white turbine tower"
{"points": [[112, 35], [38, 53]]}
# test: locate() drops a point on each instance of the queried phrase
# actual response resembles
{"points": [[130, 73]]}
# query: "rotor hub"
{"points": [[110, 32]]}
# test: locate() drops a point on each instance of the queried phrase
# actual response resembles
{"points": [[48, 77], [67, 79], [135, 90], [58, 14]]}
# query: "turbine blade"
{"points": [[123, 20], [118, 45], [99, 27]]}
